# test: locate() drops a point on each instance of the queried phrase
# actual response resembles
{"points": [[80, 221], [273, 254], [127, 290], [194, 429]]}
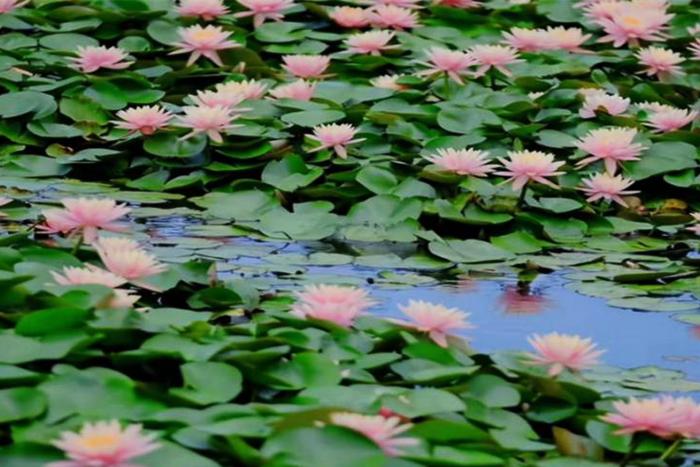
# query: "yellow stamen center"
{"points": [[103, 441], [203, 35], [631, 21]]}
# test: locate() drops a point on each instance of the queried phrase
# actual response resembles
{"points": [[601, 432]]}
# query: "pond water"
{"points": [[503, 310]]}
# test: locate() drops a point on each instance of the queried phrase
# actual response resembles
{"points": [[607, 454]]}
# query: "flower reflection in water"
{"points": [[696, 331], [465, 283], [520, 299]]}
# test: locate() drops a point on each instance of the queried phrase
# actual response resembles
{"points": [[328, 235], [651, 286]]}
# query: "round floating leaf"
{"points": [[311, 118], [15, 104], [603, 434], [422, 402], [518, 242], [169, 145], [173, 455], [305, 370], [53, 130], [82, 110], [662, 158], [465, 120], [377, 180], [134, 44], [21, 404], [555, 139], [290, 173], [493, 391], [164, 32], [468, 251], [208, 383], [280, 32], [52, 321], [330, 445], [67, 42]]}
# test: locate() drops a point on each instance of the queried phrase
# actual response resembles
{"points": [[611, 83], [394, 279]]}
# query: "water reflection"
{"points": [[466, 283], [695, 330], [504, 309], [521, 299]]}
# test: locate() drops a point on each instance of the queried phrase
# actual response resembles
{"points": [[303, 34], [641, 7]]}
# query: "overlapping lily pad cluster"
{"points": [[371, 121], [207, 372], [487, 131]]}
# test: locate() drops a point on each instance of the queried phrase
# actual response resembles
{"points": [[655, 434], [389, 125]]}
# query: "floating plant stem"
{"points": [[671, 450]]}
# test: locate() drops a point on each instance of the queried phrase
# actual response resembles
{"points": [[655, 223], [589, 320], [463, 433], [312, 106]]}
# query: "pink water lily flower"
{"points": [[335, 136], [493, 56], [523, 167], [632, 24], [661, 62], [350, 17], [262, 10], [337, 304], [610, 145], [144, 119], [89, 274], [104, 444], [92, 58], [383, 431], [299, 90], [249, 89], [688, 423], [603, 9], [694, 48], [399, 3], [230, 94], [306, 66], [227, 100], [670, 119], [468, 161], [125, 258], [463, 4], [654, 106], [121, 299], [201, 41], [658, 416], [7, 6], [371, 42], [609, 187], [563, 351], [661, 5], [597, 100], [208, 10], [696, 227], [437, 321], [211, 121], [85, 215], [453, 63], [527, 40], [393, 17], [388, 82], [569, 39]]}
